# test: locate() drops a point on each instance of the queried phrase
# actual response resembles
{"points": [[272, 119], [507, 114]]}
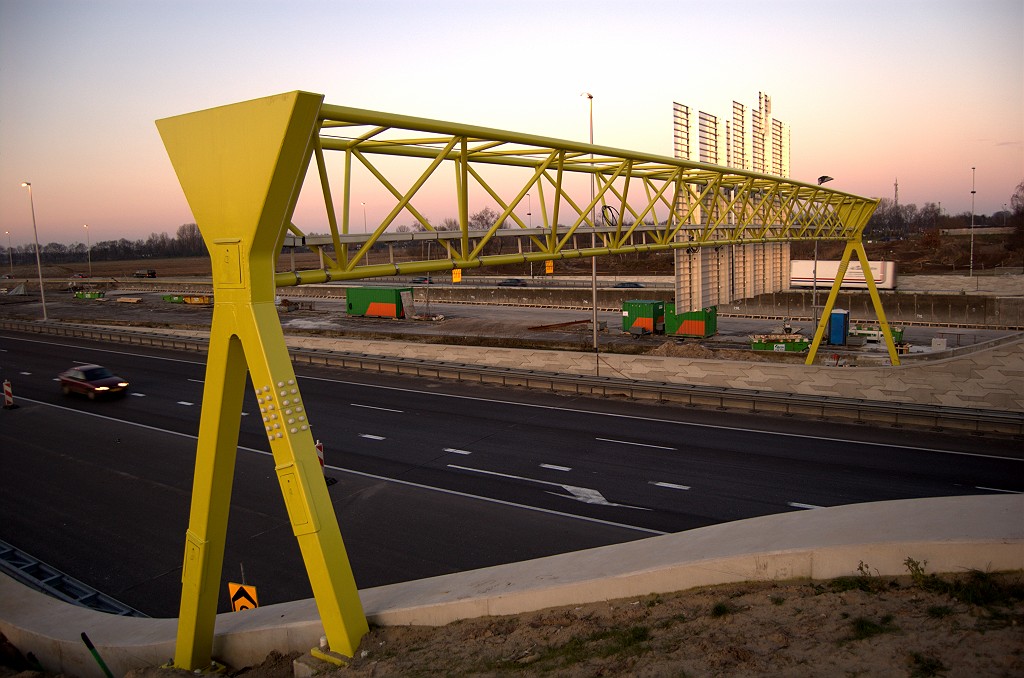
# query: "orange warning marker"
{"points": [[320, 456], [243, 597], [9, 398]]}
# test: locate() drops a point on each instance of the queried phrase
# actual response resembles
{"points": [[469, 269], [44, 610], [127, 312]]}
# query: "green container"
{"points": [[174, 298], [780, 345], [643, 316], [702, 323], [376, 302], [89, 295]]}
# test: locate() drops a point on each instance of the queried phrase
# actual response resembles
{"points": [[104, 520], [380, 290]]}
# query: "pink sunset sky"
{"points": [[872, 90]]}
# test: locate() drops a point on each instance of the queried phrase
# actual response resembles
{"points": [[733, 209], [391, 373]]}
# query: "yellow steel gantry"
{"points": [[242, 167]]}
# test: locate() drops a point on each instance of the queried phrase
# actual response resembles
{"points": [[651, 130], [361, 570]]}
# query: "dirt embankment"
{"points": [[967, 626]]}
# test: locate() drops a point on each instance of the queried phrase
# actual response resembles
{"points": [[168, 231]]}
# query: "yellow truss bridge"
{"points": [[242, 168]]}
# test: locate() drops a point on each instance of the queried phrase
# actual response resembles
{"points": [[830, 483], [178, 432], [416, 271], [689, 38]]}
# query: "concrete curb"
{"points": [[953, 534]]}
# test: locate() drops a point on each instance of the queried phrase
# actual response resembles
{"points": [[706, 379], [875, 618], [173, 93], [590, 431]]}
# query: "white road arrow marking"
{"points": [[584, 494]]}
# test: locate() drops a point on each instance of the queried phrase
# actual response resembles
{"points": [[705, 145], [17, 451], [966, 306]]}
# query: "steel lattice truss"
{"points": [[631, 202]]}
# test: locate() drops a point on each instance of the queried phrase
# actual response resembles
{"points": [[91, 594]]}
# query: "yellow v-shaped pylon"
{"points": [[241, 168]]}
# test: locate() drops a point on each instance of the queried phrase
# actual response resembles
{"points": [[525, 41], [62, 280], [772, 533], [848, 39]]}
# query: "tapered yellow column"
{"points": [[241, 168], [844, 263]]}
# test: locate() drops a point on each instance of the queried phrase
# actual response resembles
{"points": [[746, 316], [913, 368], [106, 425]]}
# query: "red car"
{"points": [[93, 381]]}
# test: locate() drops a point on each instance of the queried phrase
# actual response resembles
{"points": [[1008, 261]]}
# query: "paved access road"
{"points": [[433, 477]]}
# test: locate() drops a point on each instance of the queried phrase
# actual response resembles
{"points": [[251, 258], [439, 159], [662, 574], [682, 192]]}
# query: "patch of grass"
{"points": [[722, 609], [975, 588], [863, 628], [923, 666], [864, 580], [777, 600], [653, 601], [939, 611], [606, 643]]}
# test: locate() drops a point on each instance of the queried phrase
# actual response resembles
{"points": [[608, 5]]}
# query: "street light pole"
{"points": [[972, 222], [814, 273], [364, 217], [10, 252], [88, 247], [593, 240], [35, 234]]}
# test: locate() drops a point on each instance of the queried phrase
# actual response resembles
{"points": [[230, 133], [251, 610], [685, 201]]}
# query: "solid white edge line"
{"points": [[996, 489], [569, 409], [796, 504], [664, 421], [374, 476], [554, 467]]}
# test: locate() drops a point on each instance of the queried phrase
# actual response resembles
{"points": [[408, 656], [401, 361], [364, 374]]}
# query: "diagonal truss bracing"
{"points": [[641, 202]]}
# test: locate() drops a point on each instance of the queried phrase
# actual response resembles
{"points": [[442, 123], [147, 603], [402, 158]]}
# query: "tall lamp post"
{"points": [[88, 247], [972, 222], [10, 252], [593, 239], [35, 234], [824, 178]]}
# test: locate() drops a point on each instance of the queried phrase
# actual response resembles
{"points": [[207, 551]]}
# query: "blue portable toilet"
{"points": [[838, 327]]}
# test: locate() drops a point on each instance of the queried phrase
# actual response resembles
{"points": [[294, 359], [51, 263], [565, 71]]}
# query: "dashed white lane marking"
{"points": [[671, 486], [627, 442], [996, 489], [186, 403], [137, 395], [553, 467], [373, 407], [371, 436], [197, 381], [798, 505], [454, 450]]}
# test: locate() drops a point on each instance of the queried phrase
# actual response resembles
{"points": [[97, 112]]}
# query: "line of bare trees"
{"points": [[187, 242]]}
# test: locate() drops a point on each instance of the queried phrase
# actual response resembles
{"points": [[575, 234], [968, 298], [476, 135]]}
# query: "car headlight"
{"points": [[102, 388], [122, 384]]}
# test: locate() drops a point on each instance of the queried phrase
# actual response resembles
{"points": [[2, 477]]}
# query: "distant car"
{"points": [[145, 273], [628, 284], [422, 280], [512, 282], [92, 381], [79, 275], [7, 276]]}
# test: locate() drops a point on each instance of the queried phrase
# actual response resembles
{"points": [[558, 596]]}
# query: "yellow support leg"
{"points": [[844, 263], [241, 168]]}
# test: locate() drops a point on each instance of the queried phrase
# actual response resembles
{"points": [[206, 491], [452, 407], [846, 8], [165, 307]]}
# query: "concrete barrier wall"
{"points": [[947, 534]]}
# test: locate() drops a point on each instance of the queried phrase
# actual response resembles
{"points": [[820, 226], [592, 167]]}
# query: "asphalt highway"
{"points": [[432, 477]]}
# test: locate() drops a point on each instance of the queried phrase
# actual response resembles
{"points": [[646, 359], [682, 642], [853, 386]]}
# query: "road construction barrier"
{"points": [[320, 456], [8, 396]]}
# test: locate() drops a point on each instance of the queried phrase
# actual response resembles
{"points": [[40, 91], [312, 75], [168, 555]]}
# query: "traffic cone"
{"points": [[9, 397]]}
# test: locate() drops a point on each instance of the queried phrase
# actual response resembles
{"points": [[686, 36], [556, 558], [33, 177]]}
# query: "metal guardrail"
{"points": [[38, 575], [862, 411]]}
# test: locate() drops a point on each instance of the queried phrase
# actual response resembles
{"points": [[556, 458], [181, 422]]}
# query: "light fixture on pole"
{"points": [[593, 238], [88, 247], [35, 234], [10, 252], [814, 273], [972, 222]]}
